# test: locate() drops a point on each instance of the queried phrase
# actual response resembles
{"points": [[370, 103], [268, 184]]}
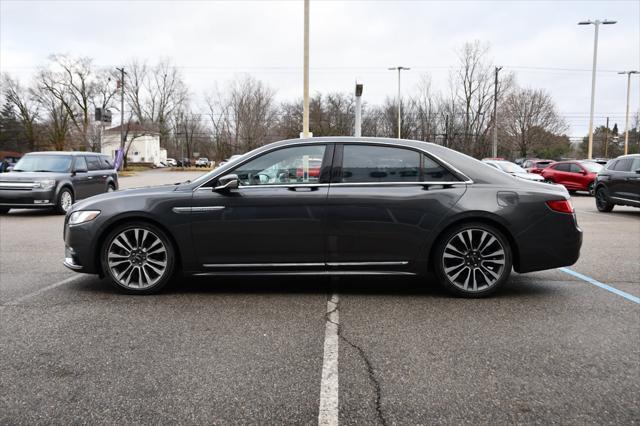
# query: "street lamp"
{"points": [[596, 24], [399, 69], [626, 122]]}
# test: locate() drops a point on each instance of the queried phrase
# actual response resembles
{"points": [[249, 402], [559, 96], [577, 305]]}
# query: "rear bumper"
{"points": [[553, 242], [27, 199]]}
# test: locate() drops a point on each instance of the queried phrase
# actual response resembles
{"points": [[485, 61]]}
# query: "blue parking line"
{"points": [[601, 285]]}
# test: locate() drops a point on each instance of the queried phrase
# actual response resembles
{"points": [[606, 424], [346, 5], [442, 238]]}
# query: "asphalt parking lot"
{"points": [[551, 347]]}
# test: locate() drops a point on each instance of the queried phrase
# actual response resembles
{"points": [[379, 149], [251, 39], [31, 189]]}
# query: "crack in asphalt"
{"points": [[370, 371]]}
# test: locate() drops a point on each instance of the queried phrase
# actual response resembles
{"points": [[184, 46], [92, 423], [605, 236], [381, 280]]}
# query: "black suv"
{"points": [[619, 183], [55, 180]]}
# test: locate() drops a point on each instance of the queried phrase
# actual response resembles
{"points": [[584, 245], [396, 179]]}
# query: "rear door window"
{"points": [[623, 165], [93, 162], [107, 163], [562, 167], [368, 163], [574, 168]]}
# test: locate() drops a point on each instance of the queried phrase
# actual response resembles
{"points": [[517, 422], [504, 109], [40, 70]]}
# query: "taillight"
{"points": [[562, 206]]}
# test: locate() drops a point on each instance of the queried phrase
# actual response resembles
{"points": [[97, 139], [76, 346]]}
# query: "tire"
{"points": [[138, 258], [64, 201], [111, 187], [603, 203], [463, 266], [592, 189], [4, 210]]}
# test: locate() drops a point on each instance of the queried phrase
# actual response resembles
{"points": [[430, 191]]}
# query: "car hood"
{"points": [[98, 200], [30, 176]]}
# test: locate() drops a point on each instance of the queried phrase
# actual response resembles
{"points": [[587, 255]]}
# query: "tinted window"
{"points": [[107, 163], [93, 162], [434, 172], [365, 163], [574, 168], [44, 163], [623, 165], [300, 164], [562, 167], [80, 164]]}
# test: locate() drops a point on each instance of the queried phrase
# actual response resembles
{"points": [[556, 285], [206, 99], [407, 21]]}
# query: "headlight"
{"points": [[83, 216], [45, 183]]}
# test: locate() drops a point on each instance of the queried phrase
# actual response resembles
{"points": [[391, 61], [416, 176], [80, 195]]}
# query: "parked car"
{"points": [[378, 207], [185, 162], [535, 165], [577, 175], [202, 162], [514, 170], [230, 159], [618, 183], [56, 180], [171, 162]]}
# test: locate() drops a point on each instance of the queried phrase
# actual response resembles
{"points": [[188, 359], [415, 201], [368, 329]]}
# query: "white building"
{"points": [[144, 148]]}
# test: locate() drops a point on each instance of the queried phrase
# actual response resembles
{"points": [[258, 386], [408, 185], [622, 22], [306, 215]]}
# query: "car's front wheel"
{"points": [[602, 201], [138, 258], [473, 260], [64, 201]]}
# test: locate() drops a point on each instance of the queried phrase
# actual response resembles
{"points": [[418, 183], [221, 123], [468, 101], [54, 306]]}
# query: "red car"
{"points": [[535, 165], [574, 175]]}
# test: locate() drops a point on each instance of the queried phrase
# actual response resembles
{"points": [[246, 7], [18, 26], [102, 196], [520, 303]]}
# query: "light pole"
{"points": [[399, 69], [626, 116], [305, 90], [596, 24], [494, 150], [358, 121]]}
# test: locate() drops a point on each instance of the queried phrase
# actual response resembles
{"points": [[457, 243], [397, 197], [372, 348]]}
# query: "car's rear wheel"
{"points": [[602, 201], [591, 189], [111, 187], [473, 260], [138, 258], [64, 201]]}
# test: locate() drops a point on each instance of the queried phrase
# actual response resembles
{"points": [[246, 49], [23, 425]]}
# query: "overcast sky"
{"points": [[211, 41]]}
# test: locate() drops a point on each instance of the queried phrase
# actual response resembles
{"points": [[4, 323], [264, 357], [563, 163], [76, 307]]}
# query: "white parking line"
{"points": [[42, 290], [601, 285], [328, 414]]}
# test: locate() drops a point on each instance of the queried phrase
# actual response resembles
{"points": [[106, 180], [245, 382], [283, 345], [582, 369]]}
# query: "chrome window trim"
{"points": [[399, 183], [297, 185], [467, 180]]}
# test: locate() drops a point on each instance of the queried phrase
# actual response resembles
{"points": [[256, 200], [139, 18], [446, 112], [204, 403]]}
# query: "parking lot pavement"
{"points": [[549, 348]]}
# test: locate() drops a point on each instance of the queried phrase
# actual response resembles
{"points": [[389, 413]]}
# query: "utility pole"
{"points": [[596, 24], [626, 125], [122, 73], [305, 112], [606, 140], [446, 131], [495, 115], [399, 69]]}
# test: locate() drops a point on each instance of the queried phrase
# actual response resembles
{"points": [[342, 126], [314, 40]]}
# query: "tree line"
{"points": [[55, 111]]}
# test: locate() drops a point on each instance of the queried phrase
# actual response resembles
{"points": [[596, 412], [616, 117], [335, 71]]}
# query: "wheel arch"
{"points": [[132, 217]]}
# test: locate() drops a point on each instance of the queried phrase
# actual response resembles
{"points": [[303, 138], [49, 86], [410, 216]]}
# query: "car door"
{"points": [[80, 178], [561, 174], [97, 176], [625, 181], [384, 201], [577, 177], [275, 219]]}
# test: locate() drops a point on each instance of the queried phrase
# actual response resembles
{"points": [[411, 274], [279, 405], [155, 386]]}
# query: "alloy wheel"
{"points": [[592, 189], [66, 201], [474, 260], [137, 258]]}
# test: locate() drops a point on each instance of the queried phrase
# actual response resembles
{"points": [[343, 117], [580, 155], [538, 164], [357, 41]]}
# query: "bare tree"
{"points": [[27, 107], [526, 115], [58, 120]]}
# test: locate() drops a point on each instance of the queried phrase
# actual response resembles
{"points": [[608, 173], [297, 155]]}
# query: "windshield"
{"points": [[44, 163], [511, 167], [592, 167]]}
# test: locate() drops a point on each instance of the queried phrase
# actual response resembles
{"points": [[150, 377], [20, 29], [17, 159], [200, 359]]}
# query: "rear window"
{"points": [[107, 163], [623, 165], [543, 164]]}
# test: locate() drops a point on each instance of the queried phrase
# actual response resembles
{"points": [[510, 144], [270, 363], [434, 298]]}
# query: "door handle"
{"points": [[302, 188], [89, 177]]}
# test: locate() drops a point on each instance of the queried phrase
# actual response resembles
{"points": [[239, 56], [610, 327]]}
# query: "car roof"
{"points": [[73, 153]]}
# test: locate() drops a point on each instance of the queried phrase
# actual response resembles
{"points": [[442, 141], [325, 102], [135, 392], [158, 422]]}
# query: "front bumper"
{"points": [[27, 199], [79, 251]]}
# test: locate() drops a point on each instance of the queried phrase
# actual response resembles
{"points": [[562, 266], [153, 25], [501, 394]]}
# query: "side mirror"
{"points": [[227, 182]]}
